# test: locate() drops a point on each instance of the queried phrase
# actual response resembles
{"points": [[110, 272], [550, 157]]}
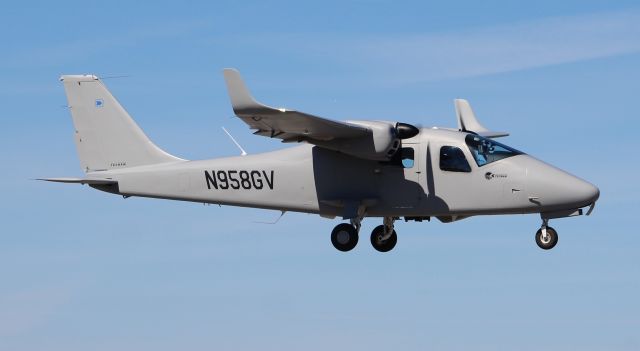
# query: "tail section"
{"points": [[106, 136]]}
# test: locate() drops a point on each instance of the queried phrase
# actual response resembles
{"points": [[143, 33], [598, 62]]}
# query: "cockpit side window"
{"points": [[452, 159], [486, 150]]}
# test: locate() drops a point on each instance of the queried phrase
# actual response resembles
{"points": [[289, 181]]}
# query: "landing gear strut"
{"points": [[383, 237], [546, 237]]}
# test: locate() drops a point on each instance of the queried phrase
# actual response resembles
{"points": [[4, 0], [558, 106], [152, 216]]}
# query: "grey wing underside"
{"points": [[285, 124]]}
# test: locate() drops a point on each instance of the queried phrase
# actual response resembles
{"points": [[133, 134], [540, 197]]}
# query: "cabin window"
{"points": [[486, 150], [404, 157], [452, 159], [407, 157]]}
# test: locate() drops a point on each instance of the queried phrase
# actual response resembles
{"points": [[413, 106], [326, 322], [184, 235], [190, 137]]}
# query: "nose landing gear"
{"points": [[546, 237]]}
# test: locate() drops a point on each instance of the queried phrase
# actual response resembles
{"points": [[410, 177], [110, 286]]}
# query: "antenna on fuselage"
{"points": [[282, 212], [242, 152]]}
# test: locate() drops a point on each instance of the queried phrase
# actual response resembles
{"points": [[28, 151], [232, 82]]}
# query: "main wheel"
{"points": [[383, 245], [550, 241], [344, 237]]}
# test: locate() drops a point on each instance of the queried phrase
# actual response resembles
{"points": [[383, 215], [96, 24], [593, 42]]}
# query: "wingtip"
{"points": [[230, 72], [78, 77], [491, 134], [241, 97]]}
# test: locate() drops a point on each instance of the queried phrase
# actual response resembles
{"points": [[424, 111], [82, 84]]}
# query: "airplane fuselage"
{"points": [[311, 179]]}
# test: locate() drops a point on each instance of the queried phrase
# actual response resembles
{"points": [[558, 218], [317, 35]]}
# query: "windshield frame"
{"points": [[495, 151]]}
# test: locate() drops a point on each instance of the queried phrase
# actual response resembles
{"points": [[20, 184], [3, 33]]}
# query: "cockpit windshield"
{"points": [[486, 150]]}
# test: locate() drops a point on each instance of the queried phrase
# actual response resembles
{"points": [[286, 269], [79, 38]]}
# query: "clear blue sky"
{"points": [[84, 270]]}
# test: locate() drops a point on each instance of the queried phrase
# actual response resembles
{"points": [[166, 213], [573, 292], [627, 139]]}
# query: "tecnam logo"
{"points": [[490, 175]]}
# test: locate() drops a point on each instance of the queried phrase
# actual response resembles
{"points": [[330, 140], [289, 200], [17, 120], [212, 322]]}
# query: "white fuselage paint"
{"points": [[310, 179]]}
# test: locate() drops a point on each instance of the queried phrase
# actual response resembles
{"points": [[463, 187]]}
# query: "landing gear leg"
{"points": [[383, 237], [357, 223], [546, 237]]}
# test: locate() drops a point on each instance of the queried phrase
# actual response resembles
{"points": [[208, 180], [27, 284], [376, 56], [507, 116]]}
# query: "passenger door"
{"points": [[449, 178], [399, 181]]}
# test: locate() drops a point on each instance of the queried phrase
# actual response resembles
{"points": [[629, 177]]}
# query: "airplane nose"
{"points": [[588, 192], [573, 191], [554, 188]]}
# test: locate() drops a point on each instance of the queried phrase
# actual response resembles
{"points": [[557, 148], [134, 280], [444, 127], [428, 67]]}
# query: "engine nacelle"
{"points": [[383, 142]]}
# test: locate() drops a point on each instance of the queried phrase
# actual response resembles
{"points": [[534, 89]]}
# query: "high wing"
{"points": [[285, 124], [468, 122]]}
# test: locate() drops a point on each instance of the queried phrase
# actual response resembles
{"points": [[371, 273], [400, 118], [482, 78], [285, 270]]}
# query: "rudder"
{"points": [[106, 136]]}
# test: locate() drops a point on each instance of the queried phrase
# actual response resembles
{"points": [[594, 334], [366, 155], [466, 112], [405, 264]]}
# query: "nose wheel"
{"points": [[344, 237], [546, 237]]}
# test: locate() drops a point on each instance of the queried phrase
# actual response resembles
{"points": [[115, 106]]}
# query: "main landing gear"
{"points": [[546, 237], [344, 236], [383, 237]]}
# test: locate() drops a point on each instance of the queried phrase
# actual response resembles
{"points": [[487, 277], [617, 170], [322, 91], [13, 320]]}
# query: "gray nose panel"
{"points": [[553, 188]]}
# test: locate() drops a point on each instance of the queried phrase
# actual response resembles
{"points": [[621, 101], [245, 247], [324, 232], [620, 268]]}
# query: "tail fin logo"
{"points": [[99, 103]]}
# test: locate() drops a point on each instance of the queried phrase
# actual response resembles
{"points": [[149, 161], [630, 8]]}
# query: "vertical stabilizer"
{"points": [[106, 136]]}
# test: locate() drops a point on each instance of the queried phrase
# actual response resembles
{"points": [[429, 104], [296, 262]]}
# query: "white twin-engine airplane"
{"points": [[350, 169]]}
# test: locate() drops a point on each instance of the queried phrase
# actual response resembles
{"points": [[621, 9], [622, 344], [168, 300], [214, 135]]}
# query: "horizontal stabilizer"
{"points": [[90, 181], [467, 121]]}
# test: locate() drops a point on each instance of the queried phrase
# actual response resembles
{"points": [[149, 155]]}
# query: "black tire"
{"points": [[383, 245], [553, 239], [344, 237]]}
